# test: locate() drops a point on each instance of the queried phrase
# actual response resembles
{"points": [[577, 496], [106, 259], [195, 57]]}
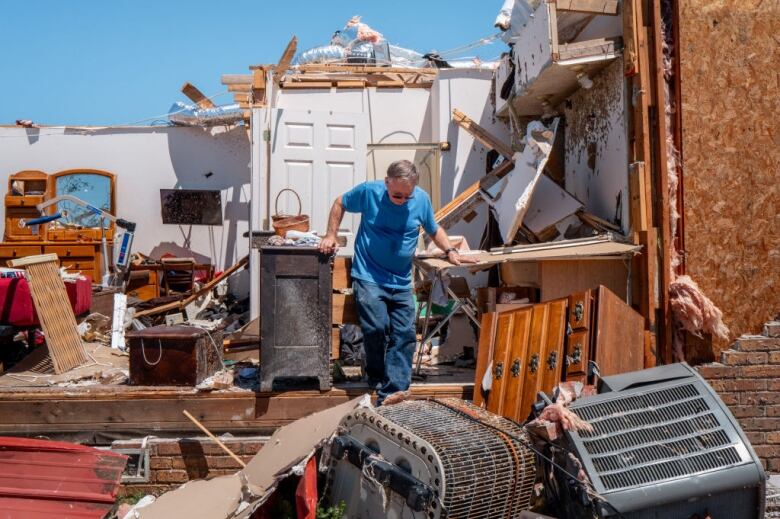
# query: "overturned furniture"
{"points": [[532, 349], [54, 312], [430, 459]]}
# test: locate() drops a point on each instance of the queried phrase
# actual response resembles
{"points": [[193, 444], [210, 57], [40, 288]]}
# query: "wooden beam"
{"points": [[639, 151], [482, 135], [636, 195], [240, 97], [287, 57], [351, 84], [630, 39], [662, 186], [390, 84], [362, 69], [235, 79], [196, 96], [306, 84], [258, 86], [588, 6], [240, 88]]}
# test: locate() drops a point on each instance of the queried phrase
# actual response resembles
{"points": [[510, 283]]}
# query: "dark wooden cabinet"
{"points": [[295, 315], [173, 355]]}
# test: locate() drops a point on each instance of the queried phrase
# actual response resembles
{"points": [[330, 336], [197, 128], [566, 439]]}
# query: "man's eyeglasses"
{"points": [[399, 196]]}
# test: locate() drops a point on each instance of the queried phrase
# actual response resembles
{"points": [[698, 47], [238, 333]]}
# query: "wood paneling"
{"points": [[731, 156], [562, 278], [619, 340]]}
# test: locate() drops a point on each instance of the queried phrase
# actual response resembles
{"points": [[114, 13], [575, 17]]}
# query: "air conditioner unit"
{"points": [[430, 459], [665, 446]]}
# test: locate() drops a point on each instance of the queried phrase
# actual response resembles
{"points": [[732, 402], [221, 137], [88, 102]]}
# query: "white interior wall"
{"points": [[468, 90], [145, 160], [597, 147]]}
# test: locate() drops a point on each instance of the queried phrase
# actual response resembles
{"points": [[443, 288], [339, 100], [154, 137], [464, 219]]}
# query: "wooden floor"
{"points": [[121, 411]]}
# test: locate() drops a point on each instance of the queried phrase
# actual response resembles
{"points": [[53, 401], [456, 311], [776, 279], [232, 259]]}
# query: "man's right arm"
{"points": [[329, 243]]}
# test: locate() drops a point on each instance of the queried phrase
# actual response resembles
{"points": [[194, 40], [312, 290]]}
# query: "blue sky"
{"points": [[90, 62]]}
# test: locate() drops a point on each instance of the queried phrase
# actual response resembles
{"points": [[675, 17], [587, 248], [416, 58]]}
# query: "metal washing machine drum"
{"points": [[430, 459]]}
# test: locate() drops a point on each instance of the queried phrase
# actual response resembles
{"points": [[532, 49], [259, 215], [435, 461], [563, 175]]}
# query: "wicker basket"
{"points": [[284, 222]]}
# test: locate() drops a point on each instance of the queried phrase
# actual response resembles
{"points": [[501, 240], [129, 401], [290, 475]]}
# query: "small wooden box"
{"points": [[173, 355]]}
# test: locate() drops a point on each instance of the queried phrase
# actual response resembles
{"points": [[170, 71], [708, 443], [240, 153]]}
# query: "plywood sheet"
{"points": [[731, 156]]}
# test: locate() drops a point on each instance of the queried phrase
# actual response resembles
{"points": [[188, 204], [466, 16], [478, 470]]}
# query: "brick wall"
{"points": [[176, 461], [747, 378]]}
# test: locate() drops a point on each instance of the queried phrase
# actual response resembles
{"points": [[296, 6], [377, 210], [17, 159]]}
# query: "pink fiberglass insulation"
{"points": [[692, 310]]}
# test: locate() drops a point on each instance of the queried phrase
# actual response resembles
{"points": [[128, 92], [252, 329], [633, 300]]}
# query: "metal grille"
{"points": [[655, 436], [487, 474]]}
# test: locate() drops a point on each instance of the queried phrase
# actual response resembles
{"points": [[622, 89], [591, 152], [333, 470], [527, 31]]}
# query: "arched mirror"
{"points": [[95, 187]]}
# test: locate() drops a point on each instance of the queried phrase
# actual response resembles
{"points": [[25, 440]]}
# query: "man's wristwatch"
{"points": [[451, 249]]}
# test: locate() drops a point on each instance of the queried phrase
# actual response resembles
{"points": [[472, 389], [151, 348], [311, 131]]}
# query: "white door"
{"points": [[320, 155]]}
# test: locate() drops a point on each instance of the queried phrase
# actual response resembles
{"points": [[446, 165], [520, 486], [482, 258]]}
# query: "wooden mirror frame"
{"points": [[83, 234]]}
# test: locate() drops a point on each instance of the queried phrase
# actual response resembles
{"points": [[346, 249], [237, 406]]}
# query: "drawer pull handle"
{"points": [[534, 364], [575, 357], [579, 311], [552, 360], [498, 371], [515, 368]]}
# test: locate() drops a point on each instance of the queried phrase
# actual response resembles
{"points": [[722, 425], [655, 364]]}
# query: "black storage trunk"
{"points": [[295, 315], [173, 355]]}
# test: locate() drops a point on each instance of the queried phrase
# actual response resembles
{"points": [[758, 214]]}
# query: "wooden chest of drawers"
{"points": [[86, 258]]}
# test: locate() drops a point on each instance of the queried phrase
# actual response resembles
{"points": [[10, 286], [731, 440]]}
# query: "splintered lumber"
{"points": [[472, 195], [196, 96], [205, 288], [284, 62], [54, 311], [482, 135]]}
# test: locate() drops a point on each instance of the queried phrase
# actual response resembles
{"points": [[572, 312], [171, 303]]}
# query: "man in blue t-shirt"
{"points": [[391, 214]]}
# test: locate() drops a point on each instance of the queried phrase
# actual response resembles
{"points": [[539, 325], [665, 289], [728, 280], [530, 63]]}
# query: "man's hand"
{"points": [[455, 258], [329, 244]]}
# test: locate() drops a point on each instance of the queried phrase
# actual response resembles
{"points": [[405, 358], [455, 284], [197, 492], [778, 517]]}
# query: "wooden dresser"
{"points": [[78, 248], [84, 257]]}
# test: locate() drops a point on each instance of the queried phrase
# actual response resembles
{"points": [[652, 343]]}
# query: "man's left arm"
{"points": [[442, 241]]}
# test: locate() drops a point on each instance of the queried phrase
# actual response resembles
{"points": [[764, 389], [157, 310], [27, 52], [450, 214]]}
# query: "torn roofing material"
{"points": [[239, 495], [41, 478]]}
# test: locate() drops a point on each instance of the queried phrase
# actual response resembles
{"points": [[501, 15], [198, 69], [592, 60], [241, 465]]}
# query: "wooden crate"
{"points": [[173, 355]]}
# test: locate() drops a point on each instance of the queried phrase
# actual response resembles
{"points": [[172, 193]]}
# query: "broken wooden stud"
{"points": [[216, 440], [285, 60], [196, 96], [482, 135]]}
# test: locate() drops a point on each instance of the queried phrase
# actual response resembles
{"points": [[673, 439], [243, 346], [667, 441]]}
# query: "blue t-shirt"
{"points": [[387, 237]]}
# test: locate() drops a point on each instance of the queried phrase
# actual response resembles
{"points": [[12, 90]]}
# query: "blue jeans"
{"points": [[386, 318]]}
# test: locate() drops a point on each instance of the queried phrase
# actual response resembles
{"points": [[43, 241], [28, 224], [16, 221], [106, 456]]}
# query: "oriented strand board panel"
{"points": [[731, 156]]}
